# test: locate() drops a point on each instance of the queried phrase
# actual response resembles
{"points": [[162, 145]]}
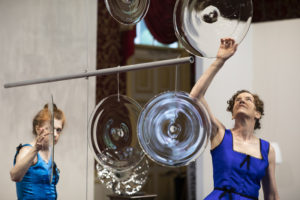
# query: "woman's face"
{"points": [[244, 104], [45, 129], [57, 129]]}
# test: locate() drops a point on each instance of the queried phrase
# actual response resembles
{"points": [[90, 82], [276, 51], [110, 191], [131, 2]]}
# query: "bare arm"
{"points": [[25, 158], [226, 50], [269, 182]]}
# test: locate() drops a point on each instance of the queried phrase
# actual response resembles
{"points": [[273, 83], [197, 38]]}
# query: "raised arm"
{"points": [[27, 157], [226, 50], [24, 160]]}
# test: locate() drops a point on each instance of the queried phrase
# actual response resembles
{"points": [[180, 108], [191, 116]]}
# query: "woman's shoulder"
{"points": [[23, 150], [24, 147], [266, 148], [265, 144], [218, 137]]}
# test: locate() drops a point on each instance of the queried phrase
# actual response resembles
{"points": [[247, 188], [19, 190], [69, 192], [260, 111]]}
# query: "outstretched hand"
{"points": [[227, 48], [41, 139]]}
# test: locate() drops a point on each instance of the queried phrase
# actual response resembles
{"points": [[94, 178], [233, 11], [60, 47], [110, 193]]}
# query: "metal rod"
{"points": [[106, 71]]}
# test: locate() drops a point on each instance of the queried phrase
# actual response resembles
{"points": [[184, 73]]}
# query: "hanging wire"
{"points": [[176, 76], [87, 96], [87, 127], [118, 77]]}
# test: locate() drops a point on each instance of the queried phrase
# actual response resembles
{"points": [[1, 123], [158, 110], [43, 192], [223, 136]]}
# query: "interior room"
{"points": [[41, 40]]}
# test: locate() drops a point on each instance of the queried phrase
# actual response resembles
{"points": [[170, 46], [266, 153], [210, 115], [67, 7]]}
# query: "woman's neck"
{"points": [[244, 129]]}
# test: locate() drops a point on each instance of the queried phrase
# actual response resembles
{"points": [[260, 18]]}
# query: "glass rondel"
{"points": [[112, 133], [50, 130], [200, 24], [127, 182], [173, 129], [127, 11]]}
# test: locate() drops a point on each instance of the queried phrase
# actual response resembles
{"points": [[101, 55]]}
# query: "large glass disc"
{"points": [[51, 139], [173, 129], [127, 182], [112, 133], [200, 24], [127, 11]]}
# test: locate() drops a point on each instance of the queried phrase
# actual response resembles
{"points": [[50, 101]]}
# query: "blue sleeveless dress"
{"points": [[35, 183], [237, 176]]}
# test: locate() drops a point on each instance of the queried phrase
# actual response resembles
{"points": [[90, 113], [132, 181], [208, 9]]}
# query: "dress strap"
{"points": [[265, 148]]}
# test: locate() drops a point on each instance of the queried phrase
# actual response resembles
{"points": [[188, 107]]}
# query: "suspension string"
{"points": [[118, 77], [87, 96], [87, 128], [176, 78]]}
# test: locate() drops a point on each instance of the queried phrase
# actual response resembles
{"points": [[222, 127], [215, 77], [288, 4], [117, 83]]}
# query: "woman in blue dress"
{"points": [[241, 161], [33, 161]]}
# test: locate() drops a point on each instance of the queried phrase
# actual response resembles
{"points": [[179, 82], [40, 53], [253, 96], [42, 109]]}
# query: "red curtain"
{"points": [[159, 20], [127, 42]]}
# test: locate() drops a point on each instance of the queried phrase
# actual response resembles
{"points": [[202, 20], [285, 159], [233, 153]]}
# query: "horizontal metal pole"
{"points": [[106, 71]]}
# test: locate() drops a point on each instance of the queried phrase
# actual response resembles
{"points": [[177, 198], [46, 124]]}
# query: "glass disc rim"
{"points": [[91, 134], [51, 138], [129, 22], [195, 154], [196, 50]]}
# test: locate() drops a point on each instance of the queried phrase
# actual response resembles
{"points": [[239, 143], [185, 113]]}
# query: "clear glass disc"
{"points": [[173, 129], [200, 24], [126, 182], [127, 11], [112, 133], [51, 140]]}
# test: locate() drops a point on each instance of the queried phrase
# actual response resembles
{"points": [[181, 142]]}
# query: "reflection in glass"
{"points": [[173, 129], [127, 11], [200, 24], [127, 182], [112, 133]]}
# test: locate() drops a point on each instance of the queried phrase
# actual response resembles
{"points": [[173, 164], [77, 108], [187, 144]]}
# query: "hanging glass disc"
{"points": [[51, 140], [127, 11], [112, 133], [173, 129], [200, 24]]}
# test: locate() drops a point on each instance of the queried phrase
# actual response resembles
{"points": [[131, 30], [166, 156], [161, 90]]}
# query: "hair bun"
{"points": [[54, 106]]}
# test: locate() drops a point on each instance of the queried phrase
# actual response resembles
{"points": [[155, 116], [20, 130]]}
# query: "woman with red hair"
{"points": [[32, 161]]}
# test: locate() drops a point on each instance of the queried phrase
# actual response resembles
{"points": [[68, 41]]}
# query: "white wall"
{"points": [[42, 39], [276, 51], [266, 63]]}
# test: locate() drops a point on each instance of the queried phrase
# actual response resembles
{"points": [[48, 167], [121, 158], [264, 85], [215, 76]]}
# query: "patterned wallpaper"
{"points": [[108, 54]]}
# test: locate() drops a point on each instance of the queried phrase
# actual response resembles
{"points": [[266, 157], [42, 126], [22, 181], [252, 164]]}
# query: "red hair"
{"points": [[44, 115]]}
